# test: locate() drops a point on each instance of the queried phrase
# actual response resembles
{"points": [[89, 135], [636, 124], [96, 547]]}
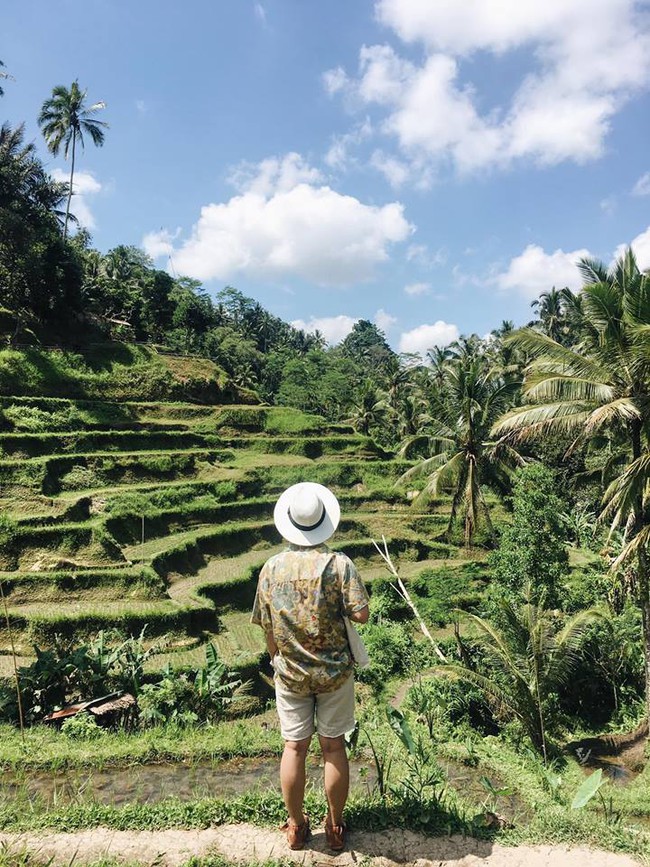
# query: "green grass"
{"points": [[114, 372], [21, 445], [25, 587], [47, 749]]}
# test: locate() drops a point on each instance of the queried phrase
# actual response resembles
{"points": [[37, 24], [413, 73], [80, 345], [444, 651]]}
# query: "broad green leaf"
{"points": [[401, 728], [588, 789]]}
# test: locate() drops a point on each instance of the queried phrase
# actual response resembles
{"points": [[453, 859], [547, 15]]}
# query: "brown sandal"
{"points": [[336, 835], [297, 835]]}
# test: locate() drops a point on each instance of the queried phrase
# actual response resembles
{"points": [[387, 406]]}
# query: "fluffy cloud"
{"points": [[535, 271], [273, 175], [579, 62], [414, 289], [333, 328], [425, 337], [286, 223], [84, 184]]}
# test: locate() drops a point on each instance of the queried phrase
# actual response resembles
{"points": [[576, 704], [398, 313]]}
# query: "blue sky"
{"points": [[431, 165]]}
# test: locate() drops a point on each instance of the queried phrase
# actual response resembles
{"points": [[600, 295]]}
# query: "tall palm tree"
{"points": [[64, 118], [369, 408], [460, 454], [526, 659], [549, 310], [601, 385]]}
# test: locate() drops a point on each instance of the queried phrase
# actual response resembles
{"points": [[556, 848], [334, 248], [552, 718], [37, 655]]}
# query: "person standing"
{"points": [[302, 596]]}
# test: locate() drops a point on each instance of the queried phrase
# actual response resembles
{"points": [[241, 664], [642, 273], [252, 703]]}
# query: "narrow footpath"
{"points": [[250, 844]]}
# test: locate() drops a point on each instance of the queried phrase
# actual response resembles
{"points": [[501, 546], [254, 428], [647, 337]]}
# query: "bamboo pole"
{"points": [[401, 590]]}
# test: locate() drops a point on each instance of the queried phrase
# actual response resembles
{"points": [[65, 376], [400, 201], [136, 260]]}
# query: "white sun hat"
{"points": [[307, 514]]}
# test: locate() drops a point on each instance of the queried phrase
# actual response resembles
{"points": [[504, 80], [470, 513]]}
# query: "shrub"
{"points": [[82, 727], [389, 647], [201, 696], [386, 602], [449, 707]]}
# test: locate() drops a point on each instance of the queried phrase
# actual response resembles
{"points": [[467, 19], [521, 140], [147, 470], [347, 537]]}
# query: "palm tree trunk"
{"points": [[67, 207], [643, 578], [644, 605]]}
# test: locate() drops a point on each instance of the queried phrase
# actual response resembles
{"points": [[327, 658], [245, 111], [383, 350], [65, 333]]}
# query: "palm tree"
{"points": [[460, 455], [601, 385], [369, 408], [64, 119], [549, 310], [526, 659]]}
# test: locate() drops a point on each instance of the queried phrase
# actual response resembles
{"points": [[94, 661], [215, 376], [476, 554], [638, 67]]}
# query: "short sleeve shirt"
{"points": [[302, 596]]}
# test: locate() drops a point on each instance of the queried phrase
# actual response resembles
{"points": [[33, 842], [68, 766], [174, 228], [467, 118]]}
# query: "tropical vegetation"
{"points": [[146, 428]]}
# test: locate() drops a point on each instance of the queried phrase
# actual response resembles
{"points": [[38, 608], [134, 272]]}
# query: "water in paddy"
{"points": [[146, 784]]}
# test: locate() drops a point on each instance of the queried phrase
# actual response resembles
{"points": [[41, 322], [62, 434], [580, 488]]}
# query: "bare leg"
{"points": [[337, 776], [292, 778]]}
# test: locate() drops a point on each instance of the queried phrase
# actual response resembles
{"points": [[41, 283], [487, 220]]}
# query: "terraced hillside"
{"points": [[160, 514]]}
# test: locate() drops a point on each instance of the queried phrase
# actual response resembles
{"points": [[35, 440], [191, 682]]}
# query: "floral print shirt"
{"points": [[302, 596]]}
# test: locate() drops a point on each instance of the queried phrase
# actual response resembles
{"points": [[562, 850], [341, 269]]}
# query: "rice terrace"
{"points": [[334, 320]]}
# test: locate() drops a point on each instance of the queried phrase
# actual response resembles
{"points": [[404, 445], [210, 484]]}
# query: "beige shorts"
{"points": [[334, 712]]}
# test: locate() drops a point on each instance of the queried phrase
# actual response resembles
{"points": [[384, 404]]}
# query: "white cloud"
{"points": [[580, 61], [414, 289], [141, 106], [333, 328], [425, 337], [421, 255], [535, 271], [260, 13], [383, 74], [397, 172], [642, 186], [337, 156], [273, 175], [161, 243], [84, 184], [286, 223], [384, 321], [335, 80], [641, 247]]}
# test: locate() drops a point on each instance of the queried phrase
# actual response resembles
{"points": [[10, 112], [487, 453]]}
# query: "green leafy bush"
{"points": [[184, 699], [83, 727], [389, 647]]}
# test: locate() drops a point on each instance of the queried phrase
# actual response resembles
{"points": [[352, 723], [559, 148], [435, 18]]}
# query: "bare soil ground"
{"points": [[247, 843]]}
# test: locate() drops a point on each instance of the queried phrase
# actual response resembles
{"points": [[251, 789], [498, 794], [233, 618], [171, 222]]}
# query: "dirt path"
{"points": [[247, 843]]}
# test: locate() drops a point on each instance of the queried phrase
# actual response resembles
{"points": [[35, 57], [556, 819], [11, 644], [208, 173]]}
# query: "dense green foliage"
{"points": [[532, 556]]}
